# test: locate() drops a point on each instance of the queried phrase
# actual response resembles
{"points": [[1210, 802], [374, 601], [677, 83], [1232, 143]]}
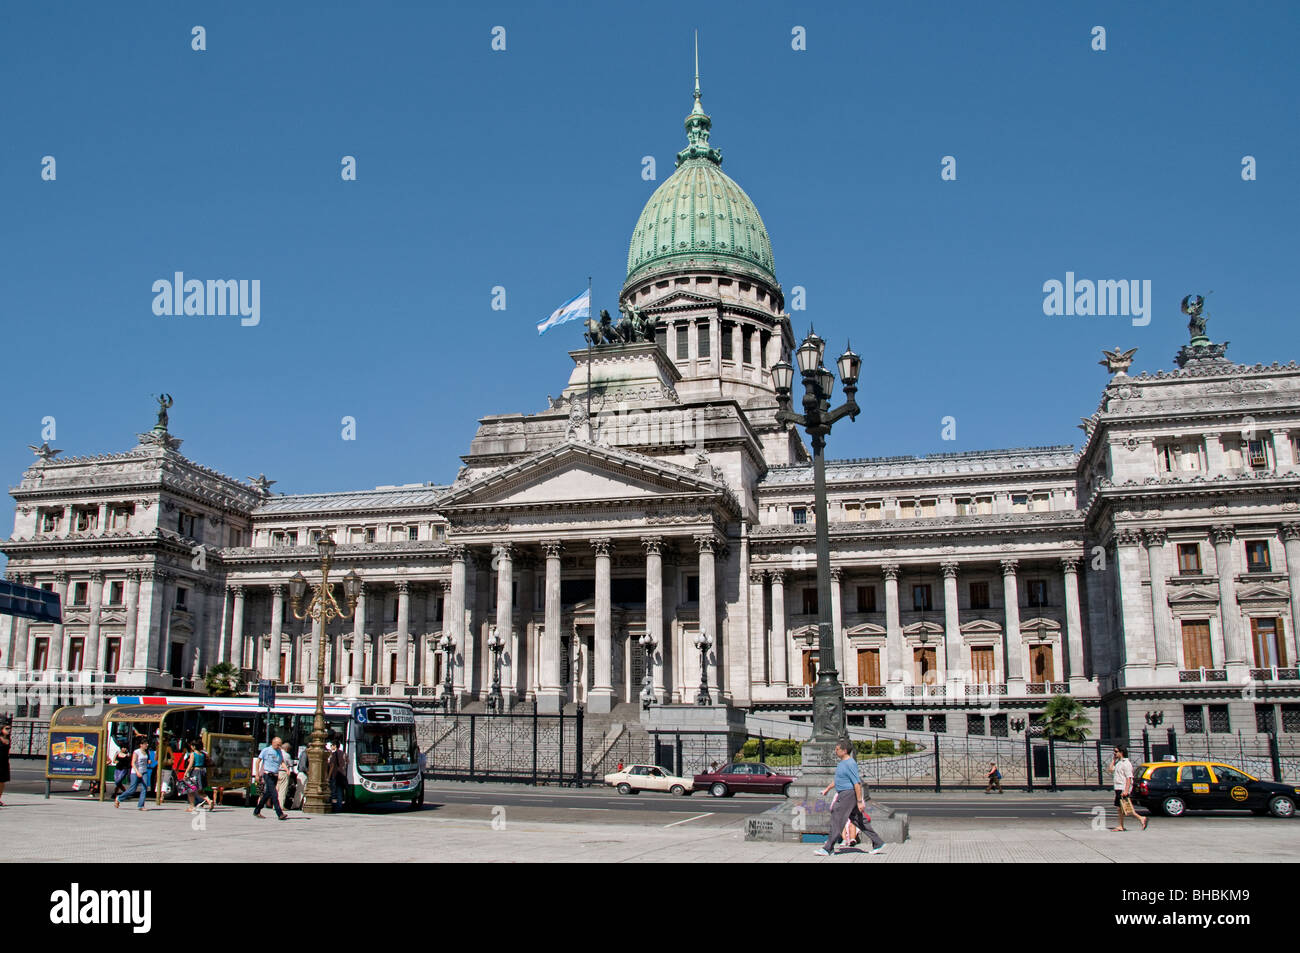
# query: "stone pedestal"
{"points": [[600, 701], [806, 815], [549, 703]]}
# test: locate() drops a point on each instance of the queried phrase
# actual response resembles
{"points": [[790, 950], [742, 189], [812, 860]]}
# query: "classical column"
{"points": [[1137, 667], [18, 660], [1164, 641], [271, 657], [454, 616], [1012, 644], [654, 606], [149, 622], [550, 695], [1230, 613], [127, 655], [237, 626], [779, 650], [893, 627], [503, 561], [951, 625], [358, 676], [91, 656], [841, 641], [403, 630], [57, 661], [524, 661], [709, 609], [601, 695], [1291, 543], [759, 660], [1073, 626]]}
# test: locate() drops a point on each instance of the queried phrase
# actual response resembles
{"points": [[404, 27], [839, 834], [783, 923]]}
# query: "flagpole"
{"points": [[590, 311]]}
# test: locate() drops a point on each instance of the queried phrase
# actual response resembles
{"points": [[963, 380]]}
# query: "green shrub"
{"points": [[884, 746], [907, 747]]}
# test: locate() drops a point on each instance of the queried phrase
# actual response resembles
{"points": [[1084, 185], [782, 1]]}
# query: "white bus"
{"points": [[382, 754]]}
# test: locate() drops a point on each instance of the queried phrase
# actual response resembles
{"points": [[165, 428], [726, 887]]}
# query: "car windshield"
{"points": [[384, 749]]}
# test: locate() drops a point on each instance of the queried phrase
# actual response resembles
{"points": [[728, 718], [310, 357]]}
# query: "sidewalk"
{"points": [[82, 831]]}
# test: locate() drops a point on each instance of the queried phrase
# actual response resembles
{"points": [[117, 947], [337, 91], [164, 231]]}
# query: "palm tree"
{"points": [[224, 680], [1065, 719]]}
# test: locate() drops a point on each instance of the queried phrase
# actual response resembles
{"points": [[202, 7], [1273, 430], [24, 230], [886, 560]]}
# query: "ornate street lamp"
{"points": [[1017, 724], [648, 691], [1155, 718], [829, 723], [704, 643], [495, 703], [448, 646], [322, 610]]}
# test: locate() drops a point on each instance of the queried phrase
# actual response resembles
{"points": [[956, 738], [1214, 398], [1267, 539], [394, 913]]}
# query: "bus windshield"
{"points": [[384, 749]]}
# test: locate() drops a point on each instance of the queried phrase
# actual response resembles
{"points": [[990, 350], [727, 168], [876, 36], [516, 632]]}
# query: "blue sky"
{"points": [[522, 169]]}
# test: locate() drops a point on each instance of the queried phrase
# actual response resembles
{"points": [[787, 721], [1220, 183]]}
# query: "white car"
{"points": [[635, 778]]}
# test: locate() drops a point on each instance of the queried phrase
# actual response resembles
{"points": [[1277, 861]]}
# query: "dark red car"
{"points": [[743, 778]]}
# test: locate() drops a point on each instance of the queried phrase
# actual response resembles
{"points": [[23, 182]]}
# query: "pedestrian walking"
{"points": [[848, 797], [191, 780], [1123, 770], [121, 767], [301, 764], [337, 770], [995, 779], [282, 777], [201, 776], [139, 775], [268, 769], [6, 740]]}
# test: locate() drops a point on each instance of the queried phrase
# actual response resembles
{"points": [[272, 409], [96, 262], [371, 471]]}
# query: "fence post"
{"points": [[1101, 779], [1051, 759], [938, 779], [762, 748], [681, 766], [577, 764], [560, 772], [1275, 755], [1146, 746], [534, 742], [1173, 742], [471, 746], [1029, 761]]}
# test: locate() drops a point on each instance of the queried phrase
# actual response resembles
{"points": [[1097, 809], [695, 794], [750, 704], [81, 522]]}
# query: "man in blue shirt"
{"points": [[849, 801], [268, 767]]}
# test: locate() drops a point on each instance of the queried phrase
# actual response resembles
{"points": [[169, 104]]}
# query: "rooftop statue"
{"points": [[164, 402], [632, 328]]}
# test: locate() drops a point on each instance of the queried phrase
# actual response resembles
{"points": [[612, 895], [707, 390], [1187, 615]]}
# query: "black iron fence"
{"points": [[511, 746]]}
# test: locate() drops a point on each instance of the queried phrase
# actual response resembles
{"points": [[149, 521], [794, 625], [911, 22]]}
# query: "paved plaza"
{"points": [[76, 830]]}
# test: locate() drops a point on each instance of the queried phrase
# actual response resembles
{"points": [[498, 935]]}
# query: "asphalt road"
{"points": [[601, 805]]}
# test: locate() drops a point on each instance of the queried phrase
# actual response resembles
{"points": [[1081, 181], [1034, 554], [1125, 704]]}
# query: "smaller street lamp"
{"points": [[495, 703], [448, 646], [1017, 724], [648, 643], [1155, 718], [704, 643]]}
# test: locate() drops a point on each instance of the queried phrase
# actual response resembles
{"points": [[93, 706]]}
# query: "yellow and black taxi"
{"points": [[1176, 787]]}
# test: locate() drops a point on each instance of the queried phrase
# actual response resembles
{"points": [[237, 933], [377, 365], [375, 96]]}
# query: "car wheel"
{"points": [[677, 790], [624, 788], [718, 789], [785, 790], [1281, 806], [1174, 806]]}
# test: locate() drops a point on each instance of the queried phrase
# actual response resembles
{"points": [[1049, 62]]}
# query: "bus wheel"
{"points": [[417, 802]]}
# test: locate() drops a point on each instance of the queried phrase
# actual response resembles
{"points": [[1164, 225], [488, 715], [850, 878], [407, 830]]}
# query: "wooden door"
{"points": [[392, 668], [1196, 644], [284, 668], [112, 654], [1040, 663], [1266, 636], [76, 654], [926, 666], [809, 667], [869, 667], [981, 658]]}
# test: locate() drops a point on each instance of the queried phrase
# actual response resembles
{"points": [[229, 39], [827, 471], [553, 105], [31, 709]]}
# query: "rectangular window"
{"points": [[80, 593], [965, 506], [692, 588], [370, 534], [115, 593], [764, 340], [975, 724], [800, 515], [1265, 637], [84, 519], [939, 724], [877, 721], [41, 654], [1040, 503], [866, 598], [181, 594], [1196, 644], [1219, 722], [728, 354], [1257, 556], [747, 344], [392, 613], [413, 532], [921, 598], [925, 666], [1193, 720], [852, 512], [916, 723], [661, 339], [1291, 718], [981, 663], [1037, 592], [1258, 455], [979, 595], [907, 509], [277, 539], [112, 653], [810, 602], [868, 666], [683, 343], [702, 340], [1265, 723], [1168, 458], [871, 510], [1019, 502], [120, 516], [998, 725], [291, 538], [984, 505], [76, 654], [1189, 559], [50, 521]]}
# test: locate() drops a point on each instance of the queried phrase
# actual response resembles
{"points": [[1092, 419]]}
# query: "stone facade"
{"points": [[658, 497]]}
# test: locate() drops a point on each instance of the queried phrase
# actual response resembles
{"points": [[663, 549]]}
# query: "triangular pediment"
{"points": [[1194, 594], [867, 628], [1261, 591], [1039, 624], [576, 473], [928, 627], [680, 297], [981, 627]]}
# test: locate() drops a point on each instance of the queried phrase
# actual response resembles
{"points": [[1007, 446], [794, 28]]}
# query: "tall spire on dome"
{"points": [[698, 124]]}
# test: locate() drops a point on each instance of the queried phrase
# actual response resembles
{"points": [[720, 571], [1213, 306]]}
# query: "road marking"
{"points": [[590, 809], [689, 819]]}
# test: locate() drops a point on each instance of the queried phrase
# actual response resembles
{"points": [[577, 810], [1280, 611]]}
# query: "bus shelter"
{"points": [[79, 734]]}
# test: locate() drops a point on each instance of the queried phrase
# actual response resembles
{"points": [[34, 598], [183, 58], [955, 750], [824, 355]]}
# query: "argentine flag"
{"points": [[579, 307]]}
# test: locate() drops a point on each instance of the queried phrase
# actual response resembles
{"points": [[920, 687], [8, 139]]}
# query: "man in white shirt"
{"points": [[1123, 770]]}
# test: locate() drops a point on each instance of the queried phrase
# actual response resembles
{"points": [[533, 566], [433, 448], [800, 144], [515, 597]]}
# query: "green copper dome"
{"points": [[699, 217]]}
